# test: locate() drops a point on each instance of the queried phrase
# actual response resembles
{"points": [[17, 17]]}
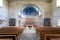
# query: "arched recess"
{"points": [[30, 10], [31, 14]]}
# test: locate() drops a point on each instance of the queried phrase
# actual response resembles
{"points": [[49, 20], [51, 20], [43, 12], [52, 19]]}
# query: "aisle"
{"points": [[29, 34]]}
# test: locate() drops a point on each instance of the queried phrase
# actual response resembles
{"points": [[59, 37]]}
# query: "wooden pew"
{"points": [[13, 33], [42, 31]]}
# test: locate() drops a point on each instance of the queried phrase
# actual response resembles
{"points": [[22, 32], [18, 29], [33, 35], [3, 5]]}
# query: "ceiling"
{"points": [[30, 0]]}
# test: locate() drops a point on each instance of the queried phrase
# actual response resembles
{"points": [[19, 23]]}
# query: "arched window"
{"points": [[30, 10]]}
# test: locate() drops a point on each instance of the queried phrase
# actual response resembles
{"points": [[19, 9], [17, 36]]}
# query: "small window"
{"points": [[58, 22], [1, 3], [57, 3]]}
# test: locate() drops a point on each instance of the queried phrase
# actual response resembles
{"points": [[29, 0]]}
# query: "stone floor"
{"points": [[29, 34]]}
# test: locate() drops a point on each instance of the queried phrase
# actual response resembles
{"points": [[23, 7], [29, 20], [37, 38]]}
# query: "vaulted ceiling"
{"points": [[31, 0]]}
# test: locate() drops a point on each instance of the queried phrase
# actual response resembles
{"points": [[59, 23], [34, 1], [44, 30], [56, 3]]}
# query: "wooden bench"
{"points": [[42, 31], [13, 33], [52, 36]]}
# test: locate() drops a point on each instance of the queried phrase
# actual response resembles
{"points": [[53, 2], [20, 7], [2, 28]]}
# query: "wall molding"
{"points": [[48, 1]]}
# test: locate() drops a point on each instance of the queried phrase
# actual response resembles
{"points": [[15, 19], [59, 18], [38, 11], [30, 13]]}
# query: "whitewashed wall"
{"points": [[4, 14], [15, 7], [56, 16]]}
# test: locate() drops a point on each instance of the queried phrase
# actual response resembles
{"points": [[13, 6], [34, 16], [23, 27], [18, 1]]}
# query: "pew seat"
{"points": [[42, 31], [13, 33]]}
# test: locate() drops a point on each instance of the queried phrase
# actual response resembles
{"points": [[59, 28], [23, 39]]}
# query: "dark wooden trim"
{"points": [[49, 36], [6, 37]]}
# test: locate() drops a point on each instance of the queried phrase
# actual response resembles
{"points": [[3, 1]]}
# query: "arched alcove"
{"points": [[30, 10], [31, 14]]}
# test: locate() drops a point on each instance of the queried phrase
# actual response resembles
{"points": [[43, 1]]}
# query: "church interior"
{"points": [[29, 19]]}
